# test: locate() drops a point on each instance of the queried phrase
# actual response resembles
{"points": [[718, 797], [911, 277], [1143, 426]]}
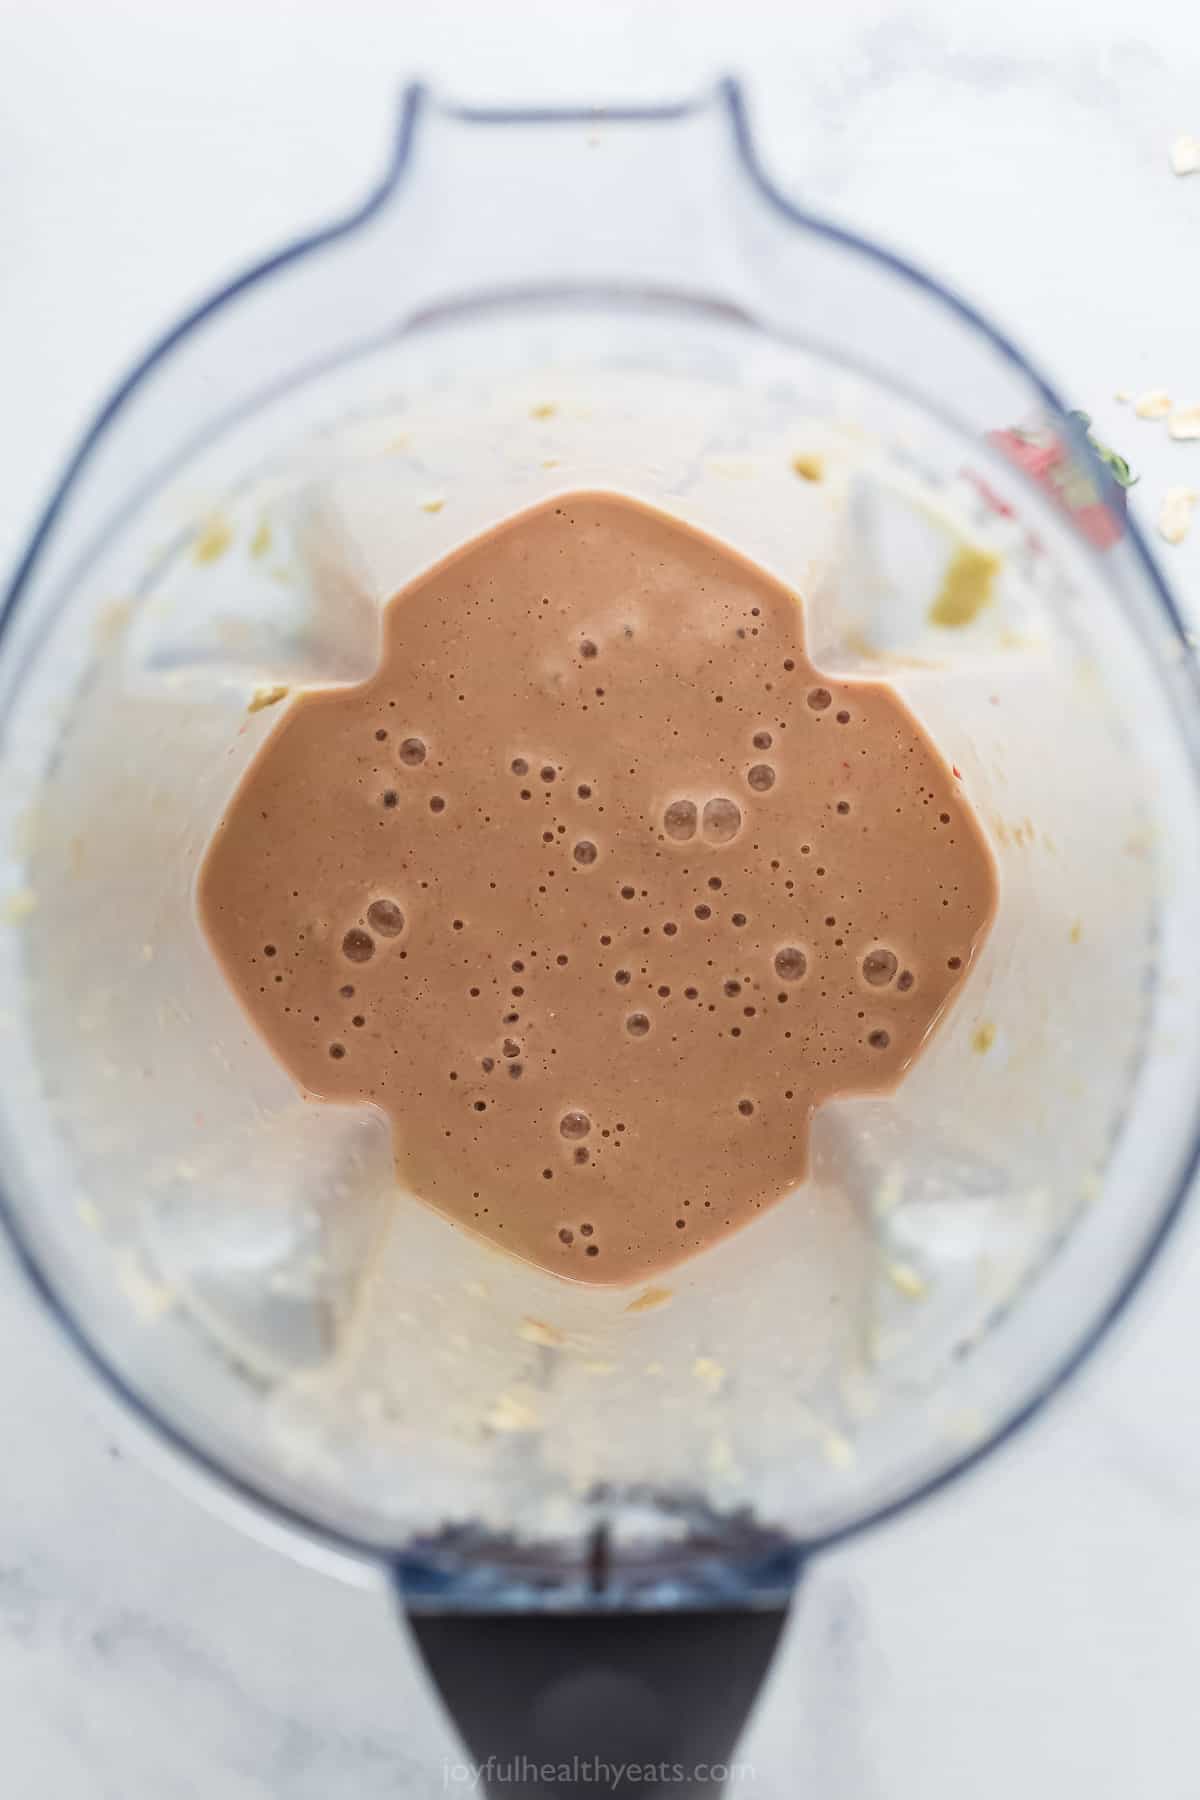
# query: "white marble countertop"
{"points": [[1034, 1630]]}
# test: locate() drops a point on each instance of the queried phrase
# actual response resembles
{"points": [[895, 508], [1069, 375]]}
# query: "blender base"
{"points": [[552, 1706]]}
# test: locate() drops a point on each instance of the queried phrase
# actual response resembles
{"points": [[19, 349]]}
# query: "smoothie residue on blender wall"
{"points": [[597, 888]]}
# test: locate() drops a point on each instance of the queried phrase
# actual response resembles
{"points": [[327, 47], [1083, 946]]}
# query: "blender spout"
{"points": [[486, 203]]}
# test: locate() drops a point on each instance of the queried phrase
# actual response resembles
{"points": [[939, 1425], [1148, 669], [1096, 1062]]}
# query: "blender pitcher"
{"points": [[593, 1502]]}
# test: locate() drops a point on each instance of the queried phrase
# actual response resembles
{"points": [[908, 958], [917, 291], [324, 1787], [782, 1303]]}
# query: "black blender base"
{"points": [[555, 1706]]}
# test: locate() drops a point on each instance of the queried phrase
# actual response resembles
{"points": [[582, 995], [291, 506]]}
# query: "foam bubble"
{"points": [[574, 1125], [385, 917], [637, 1024], [722, 819], [878, 967], [585, 852], [761, 777], [358, 946], [413, 752], [819, 698], [879, 1040], [679, 820], [761, 740], [790, 963]]}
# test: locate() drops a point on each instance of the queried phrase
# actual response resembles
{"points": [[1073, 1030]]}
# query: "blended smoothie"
{"points": [[597, 888]]}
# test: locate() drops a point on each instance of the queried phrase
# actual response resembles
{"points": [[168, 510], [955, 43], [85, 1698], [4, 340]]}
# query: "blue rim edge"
{"points": [[432, 1579]]}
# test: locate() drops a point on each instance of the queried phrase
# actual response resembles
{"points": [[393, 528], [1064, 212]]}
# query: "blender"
{"points": [[594, 1512]]}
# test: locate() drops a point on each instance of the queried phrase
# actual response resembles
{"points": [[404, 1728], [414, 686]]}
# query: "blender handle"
{"points": [[554, 1706]]}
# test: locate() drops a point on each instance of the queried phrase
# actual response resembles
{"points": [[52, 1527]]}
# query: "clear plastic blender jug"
{"points": [[528, 303]]}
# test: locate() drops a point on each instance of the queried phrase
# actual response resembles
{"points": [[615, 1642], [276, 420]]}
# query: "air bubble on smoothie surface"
{"points": [[722, 819], [790, 963], [385, 917], [879, 966], [574, 1124], [413, 752], [679, 820], [358, 946]]}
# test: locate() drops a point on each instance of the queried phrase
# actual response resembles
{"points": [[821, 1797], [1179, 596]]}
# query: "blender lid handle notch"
{"points": [[551, 1705]]}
